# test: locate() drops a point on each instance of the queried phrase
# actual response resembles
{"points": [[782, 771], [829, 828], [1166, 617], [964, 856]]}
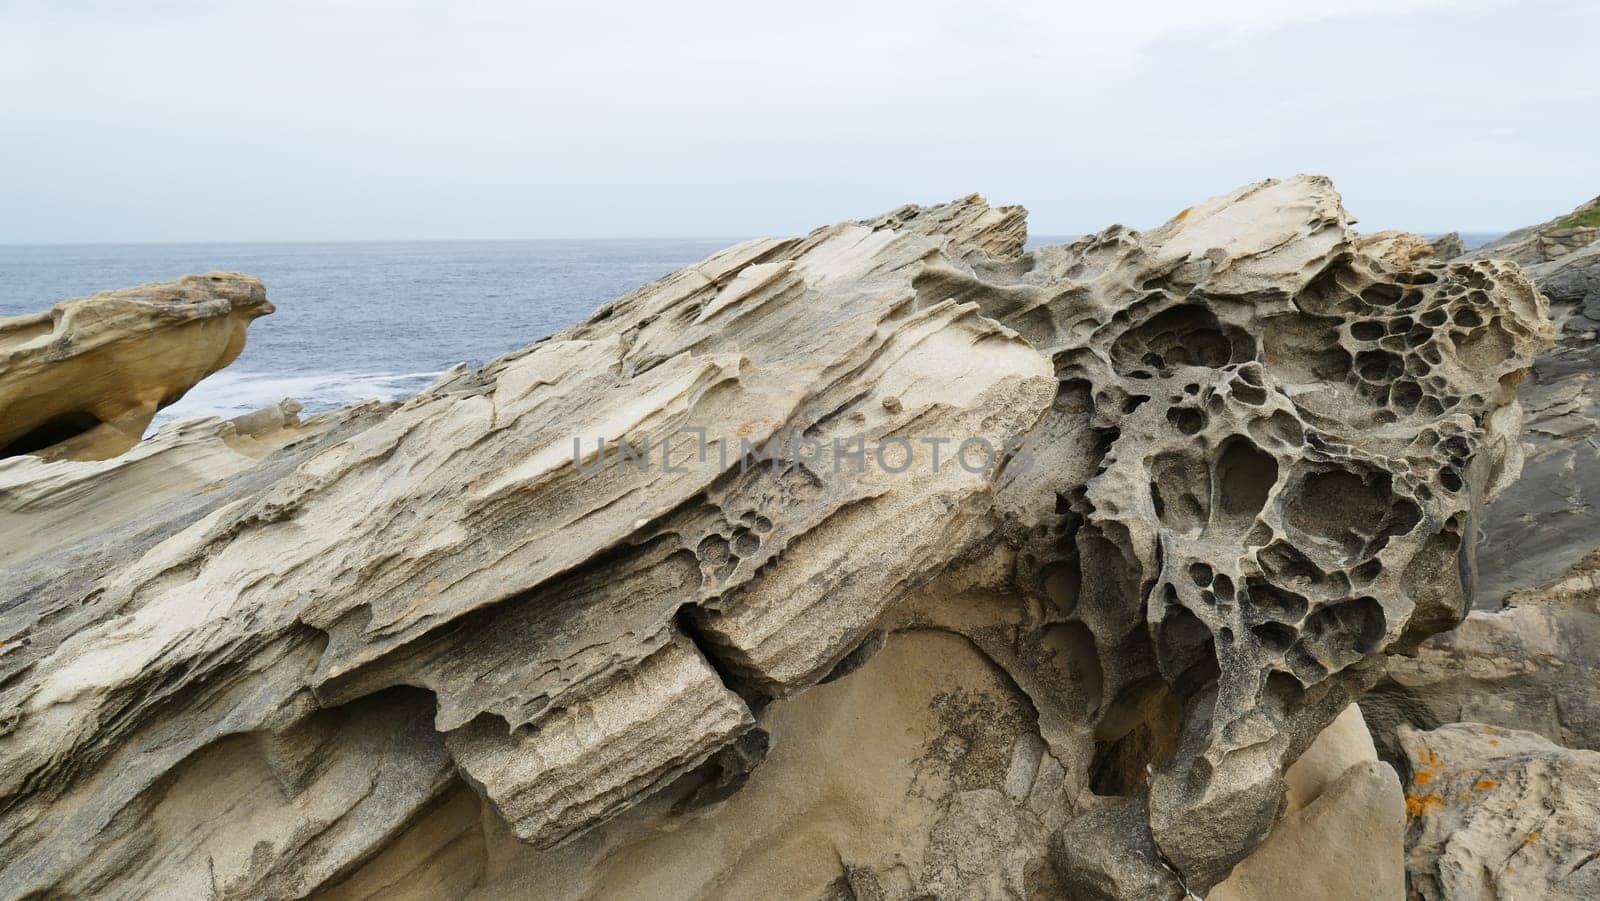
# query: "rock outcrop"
{"points": [[1051, 564], [1525, 660], [1550, 520], [1532, 666], [1497, 813], [1399, 248], [83, 380], [1343, 832], [1547, 241]]}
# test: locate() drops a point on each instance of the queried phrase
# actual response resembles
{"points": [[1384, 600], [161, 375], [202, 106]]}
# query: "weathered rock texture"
{"points": [[1526, 660], [1533, 666], [1399, 248], [1547, 241], [83, 380], [1501, 814], [1550, 520], [1230, 462]]}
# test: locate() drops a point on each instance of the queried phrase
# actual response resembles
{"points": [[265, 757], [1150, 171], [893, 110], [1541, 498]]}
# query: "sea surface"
{"points": [[367, 320]]}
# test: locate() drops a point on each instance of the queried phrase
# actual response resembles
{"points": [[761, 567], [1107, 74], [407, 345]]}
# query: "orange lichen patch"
{"points": [[1530, 838], [1182, 214], [1484, 785], [216, 486], [1417, 805], [1428, 767]]}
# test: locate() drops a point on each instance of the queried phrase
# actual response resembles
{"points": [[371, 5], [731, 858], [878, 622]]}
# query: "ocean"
{"points": [[364, 320]]}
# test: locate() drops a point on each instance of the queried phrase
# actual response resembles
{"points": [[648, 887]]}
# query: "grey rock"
{"points": [[1546, 241], [1448, 246], [1550, 519], [1108, 854], [1500, 814], [1532, 666]]}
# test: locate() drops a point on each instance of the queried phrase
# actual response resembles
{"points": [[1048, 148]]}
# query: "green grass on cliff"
{"points": [[1589, 218]]}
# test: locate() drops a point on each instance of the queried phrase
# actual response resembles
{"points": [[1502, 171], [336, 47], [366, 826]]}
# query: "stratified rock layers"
{"points": [[1221, 467]]}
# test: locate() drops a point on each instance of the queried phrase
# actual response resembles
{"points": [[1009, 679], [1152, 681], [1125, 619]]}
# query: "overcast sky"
{"points": [[182, 120]]}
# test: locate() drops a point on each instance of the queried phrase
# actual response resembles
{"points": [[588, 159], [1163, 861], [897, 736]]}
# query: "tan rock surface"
{"points": [[1400, 248], [1347, 843], [1500, 814], [1232, 459], [84, 380]]}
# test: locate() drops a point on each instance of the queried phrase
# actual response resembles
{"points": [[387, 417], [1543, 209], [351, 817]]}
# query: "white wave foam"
{"points": [[229, 394]]}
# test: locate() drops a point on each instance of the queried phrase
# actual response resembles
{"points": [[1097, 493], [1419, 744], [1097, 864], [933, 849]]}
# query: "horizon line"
{"points": [[1069, 236]]}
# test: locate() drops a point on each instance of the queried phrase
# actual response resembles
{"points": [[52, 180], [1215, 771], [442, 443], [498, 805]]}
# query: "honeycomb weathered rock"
{"points": [[1232, 460]]}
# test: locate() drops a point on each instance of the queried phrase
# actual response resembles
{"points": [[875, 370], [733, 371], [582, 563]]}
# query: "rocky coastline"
{"points": [[1245, 557]]}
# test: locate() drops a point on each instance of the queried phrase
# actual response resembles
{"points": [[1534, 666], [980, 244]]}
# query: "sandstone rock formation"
{"points": [[1501, 814], [1526, 659], [1399, 248], [1342, 835], [83, 380], [1067, 557]]}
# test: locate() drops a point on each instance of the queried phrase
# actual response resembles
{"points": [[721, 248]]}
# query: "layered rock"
{"points": [[1068, 556], [1532, 666], [1549, 521], [1501, 814], [1547, 241], [83, 380]]}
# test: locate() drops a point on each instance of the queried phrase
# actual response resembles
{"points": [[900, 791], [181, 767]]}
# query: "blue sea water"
{"points": [[361, 320]]}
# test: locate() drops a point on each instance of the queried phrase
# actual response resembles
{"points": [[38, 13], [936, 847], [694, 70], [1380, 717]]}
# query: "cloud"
{"points": [[296, 119]]}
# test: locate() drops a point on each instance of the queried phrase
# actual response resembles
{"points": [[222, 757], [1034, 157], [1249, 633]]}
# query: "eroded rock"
{"points": [[1243, 541], [1230, 461], [1497, 813], [1399, 248], [1532, 666], [83, 380]]}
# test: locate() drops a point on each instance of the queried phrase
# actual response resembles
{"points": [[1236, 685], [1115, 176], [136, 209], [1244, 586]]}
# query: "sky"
{"points": [[239, 120]]}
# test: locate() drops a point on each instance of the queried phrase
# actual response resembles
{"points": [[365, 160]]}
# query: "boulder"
{"points": [[1347, 843], [84, 380], [1532, 666], [1496, 813], [1129, 521]]}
